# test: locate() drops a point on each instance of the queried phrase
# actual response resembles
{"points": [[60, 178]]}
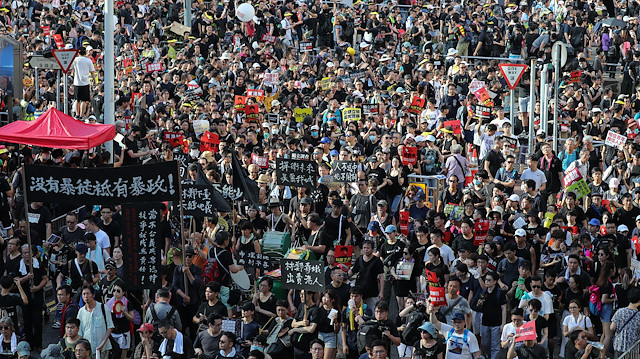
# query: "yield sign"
{"points": [[512, 73], [64, 58]]}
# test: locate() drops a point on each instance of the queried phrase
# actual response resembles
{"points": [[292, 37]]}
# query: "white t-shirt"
{"points": [[545, 299], [82, 68], [445, 252], [537, 176], [583, 322], [102, 239], [456, 346]]}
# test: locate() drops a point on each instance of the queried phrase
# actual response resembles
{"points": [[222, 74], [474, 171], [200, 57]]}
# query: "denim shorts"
{"points": [[330, 339], [606, 312]]}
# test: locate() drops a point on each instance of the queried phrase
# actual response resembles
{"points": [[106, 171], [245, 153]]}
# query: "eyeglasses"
{"points": [[163, 333], [222, 341], [574, 307], [510, 161], [379, 352], [188, 255], [453, 181], [316, 349], [536, 286], [118, 291]]}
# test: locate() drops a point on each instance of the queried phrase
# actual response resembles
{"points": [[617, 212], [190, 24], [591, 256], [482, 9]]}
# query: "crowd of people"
{"points": [[409, 90]]}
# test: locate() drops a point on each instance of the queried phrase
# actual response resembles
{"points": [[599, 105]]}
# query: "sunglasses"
{"points": [[536, 286], [5, 328], [188, 255]]}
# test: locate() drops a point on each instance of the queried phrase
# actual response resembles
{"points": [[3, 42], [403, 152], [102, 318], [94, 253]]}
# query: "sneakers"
{"points": [[56, 325]]}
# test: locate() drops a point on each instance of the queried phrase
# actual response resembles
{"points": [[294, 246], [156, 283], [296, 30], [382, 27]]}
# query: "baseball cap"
{"points": [[623, 228], [333, 153], [23, 349], [325, 140], [390, 228], [82, 248], [248, 306], [458, 316], [498, 239], [596, 222], [305, 200], [373, 226], [525, 264], [514, 197], [110, 264], [520, 232], [420, 196], [146, 327]]}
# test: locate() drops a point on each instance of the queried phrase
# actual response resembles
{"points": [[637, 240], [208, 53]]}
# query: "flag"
{"points": [[218, 202], [249, 188]]}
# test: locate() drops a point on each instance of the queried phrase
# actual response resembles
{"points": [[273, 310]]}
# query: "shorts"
{"points": [[606, 312], [224, 296], [123, 340], [82, 93], [330, 339]]}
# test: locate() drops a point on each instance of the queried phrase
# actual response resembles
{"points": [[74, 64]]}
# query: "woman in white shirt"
{"points": [[576, 320]]}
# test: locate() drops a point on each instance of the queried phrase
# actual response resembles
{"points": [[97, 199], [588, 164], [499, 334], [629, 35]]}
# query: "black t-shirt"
{"points": [[112, 230], [492, 307], [447, 197], [334, 228], [72, 237], [133, 146], [205, 309], [225, 259], [8, 305], [38, 218], [164, 231], [368, 275], [432, 352], [535, 352], [495, 159], [70, 270]]}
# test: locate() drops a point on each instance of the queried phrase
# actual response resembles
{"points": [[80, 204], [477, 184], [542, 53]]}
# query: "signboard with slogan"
{"points": [[454, 212], [142, 261], [258, 94], [301, 113], [404, 222], [325, 83], [46, 30], [239, 102], [57, 38], [257, 260], [455, 124], [370, 109], [409, 155], [175, 139], [128, 66], [183, 161], [635, 268], [615, 139], [575, 77], [154, 67], [344, 255], [351, 114], [271, 79], [302, 156], [476, 85], [253, 113], [436, 292], [527, 332], [130, 184], [345, 171], [417, 105], [481, 232], [296, 173], [199, 126], [210, 142], [404, 270], [197, 200], [575, 183], [237, 40], [483, 97], [261, 161], [273, 117], [512, 143], [268, 38], [302, 274], [306, 46], [482, 111]]}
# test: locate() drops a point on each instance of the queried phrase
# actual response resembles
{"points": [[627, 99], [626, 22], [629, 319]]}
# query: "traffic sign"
{"points": [[512, 73], [559, 48], [64, 58], [43, 63]]}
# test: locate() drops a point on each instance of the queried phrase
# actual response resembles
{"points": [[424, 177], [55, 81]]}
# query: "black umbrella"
{"points": [[612, 21]]}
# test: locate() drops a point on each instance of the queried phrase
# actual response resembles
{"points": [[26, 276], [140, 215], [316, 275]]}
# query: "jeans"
{"points": [[394, 203], [491, 341]]}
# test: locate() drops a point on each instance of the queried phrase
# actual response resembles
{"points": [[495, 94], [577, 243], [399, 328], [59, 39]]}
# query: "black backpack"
{"points": [[411, 333], [347, 31], [368, 332]]}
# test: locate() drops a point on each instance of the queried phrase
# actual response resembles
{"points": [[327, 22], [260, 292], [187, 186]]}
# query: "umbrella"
{"points": [[612, 21]]}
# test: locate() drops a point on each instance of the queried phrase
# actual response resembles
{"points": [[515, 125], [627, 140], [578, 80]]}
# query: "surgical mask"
{"points": [[255, 347], [275, 131], [314, 133], [194, 153], [477, 182], [343, 143], [123, 131], [266, 135], [372, 137]]}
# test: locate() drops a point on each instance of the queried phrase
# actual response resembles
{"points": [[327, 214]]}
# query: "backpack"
{"points": [[465, 336], [577, 41], [213, 271], [347, 30], [431, 168], [368, 332], [154, 315], [595, 300], [411, 334]]}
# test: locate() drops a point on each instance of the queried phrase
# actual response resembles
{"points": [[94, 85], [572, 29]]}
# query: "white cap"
{"points": [[623, 228], [540, 132], [330, 64], [514, 197], [520, 232], [596, 109], [314, 127]]}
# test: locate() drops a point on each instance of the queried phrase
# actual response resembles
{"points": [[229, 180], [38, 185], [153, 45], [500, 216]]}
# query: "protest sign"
{"points": [[302, 156], [128, 66], [239, 102], [253, 113], [257, 260], [453, 211], [404, 270], [273, 118], [325, 83], [57, 38], [580, 188], [302, 274], [345, 171], [476, 85], [615, 139], [301, 113], [635, 268], [154, 67], [512, 143], [261, 161], [575, 77], [481, 232], [199, 126], [183, 162], [271, 79], [370, 109], [344, 255], [46, 30], [483, 97], [409, 155], [210, 141], [258, 94], [197, 200], [129, 184], [526, 332], [436, 291], [179, 29], [571, 177], [417, 105], [455, 125], [483, 112], [268, 38], [296, 173], [142, 259], [306, 46], [351, 114], [404, 222]]}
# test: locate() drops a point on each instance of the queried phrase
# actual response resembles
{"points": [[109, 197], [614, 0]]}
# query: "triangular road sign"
{"points": [[64, 58], [512, 73]]}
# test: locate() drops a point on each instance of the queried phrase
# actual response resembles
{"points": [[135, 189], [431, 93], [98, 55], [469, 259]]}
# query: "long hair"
{"points": [[334, 297], [605, 273]]}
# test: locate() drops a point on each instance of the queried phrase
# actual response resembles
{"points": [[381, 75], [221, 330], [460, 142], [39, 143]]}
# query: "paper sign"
{"points": [[46, 30], [179, 29], [483, 97], [261, 161], [370, 109], [575, 77], [436, 291], [476, 85], [453, 211], [268, 38], [306, 46], [253, 113], [417, 105], [325, 83], [481, 232], [409, 155], [239, 102], [571, 177], [455, 124], [154, 67], [128, 66], [344, 255], [210, 142], [258, 94], [526, 332], [271, 79], [351, 114], [301, 113], [199, 126], [615, 140], [237, 40], [404, 270], [404, 222], [580, 188], [58, 40], [273, 117]]}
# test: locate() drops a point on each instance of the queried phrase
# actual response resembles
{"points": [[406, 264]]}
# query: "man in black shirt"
{"points": [[494, 159], [223, 256], [132, 154], [530, 350], [370, 274]]}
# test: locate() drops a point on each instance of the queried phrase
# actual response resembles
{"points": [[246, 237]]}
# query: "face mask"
{"points": [[343, 143], [477, 182], [314, 133], [123, 131], [372, 137], [266, 135], [275, 131], [255, 347], [194, 153]]}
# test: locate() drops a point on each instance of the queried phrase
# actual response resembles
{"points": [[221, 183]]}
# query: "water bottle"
{"points": [[596, 345]]}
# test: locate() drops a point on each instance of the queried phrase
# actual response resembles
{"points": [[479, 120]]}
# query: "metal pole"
{"points": [[511, 109], [556, 67], [58, 90], [109, 71], [543, 98], [187, 13], [532, 103], [186, 280], [26, 215], [66, 96], [36, 83]]}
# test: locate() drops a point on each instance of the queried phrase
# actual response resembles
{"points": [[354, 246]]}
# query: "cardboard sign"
{"points": [[481, 232], [483, 97], [253, 113], [179, 29], [268, 38], [404, 222], [261, 161], [455, 124], [417, 105], [325, 83], [301, 113], [239, 102], [345, 171], [351, 114], [271, 79], [306, 46], [436, 291], [46, 30], [210, 141], [57, 38], [615, 140], [344, 255], [258, 94], [575, 77], [404, 270], [154, 67], [409, 155], [200, 126], [370, 109], [526, 332], [302, 274]]}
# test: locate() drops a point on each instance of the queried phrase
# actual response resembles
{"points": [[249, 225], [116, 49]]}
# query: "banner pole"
{"points": [[184, 247], [26, 216]]}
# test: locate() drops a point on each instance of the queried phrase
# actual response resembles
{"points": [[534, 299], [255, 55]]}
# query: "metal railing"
{"points": [[632, 353], [59, 221]]}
